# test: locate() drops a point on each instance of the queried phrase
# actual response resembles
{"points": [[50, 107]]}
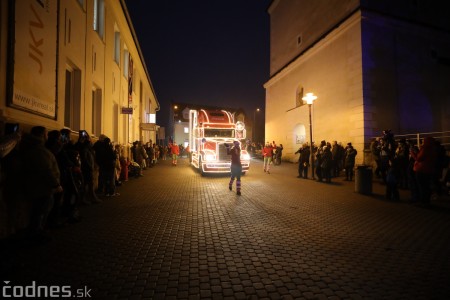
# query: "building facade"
{"points": [[373, 65], [75, 64]]}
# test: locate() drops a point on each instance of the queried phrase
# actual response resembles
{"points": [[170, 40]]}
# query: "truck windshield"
{"points": [[228, 133]]}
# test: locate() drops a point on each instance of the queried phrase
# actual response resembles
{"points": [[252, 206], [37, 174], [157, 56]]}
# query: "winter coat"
{"points": [[175, 149], [267, 151], [40, 169], [350, 157], [426, 158], [235, 153], [304, 156]]}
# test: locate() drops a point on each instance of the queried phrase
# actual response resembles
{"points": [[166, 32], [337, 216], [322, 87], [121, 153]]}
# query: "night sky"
{"points": [[204, 52]]}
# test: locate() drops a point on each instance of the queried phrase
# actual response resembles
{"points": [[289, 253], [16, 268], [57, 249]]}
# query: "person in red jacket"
{"points": [[267, 153], [424, 167], [175, 152]]}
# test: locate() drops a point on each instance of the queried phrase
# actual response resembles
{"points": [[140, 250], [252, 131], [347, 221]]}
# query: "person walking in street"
{"points": [[267, 153], [175, 152], [236, 167]]}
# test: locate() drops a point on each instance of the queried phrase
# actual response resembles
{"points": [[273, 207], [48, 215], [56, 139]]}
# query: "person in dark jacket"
{"points": [[392, 180], [336, 158], [278, 154], [10, 176], [350, 156], [40, 181], [109, 168], [326, 163], [375, 149], [87, 157], [236, 167], [318, 161], [303, 161]]}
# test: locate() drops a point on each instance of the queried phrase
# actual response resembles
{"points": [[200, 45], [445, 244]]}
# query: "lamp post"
{"points": [[254, 124], [175, 114], [309, 98]]}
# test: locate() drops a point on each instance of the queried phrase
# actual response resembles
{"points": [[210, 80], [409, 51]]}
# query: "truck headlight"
{"points": [[210, 157], [245, 156]]}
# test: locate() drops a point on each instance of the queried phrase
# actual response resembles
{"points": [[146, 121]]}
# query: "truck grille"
{"points": [[223, 156]]}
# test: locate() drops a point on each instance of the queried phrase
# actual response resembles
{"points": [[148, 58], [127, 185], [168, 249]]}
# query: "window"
{"points": [[126, 57], [299, 96], [96, 111], [115, 122], [219, 132], [72, 98], [69, 31], [152, 118], [67, 28], [186, 129], [94, 60], [68, 99], [117, 47], [99, 17]]}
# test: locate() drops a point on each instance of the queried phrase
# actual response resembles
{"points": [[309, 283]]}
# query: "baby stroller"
{"points": [[134, 170]]}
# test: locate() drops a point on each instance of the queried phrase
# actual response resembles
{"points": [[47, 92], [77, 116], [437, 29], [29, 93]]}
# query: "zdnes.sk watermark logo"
{"points": [[34, 290]]}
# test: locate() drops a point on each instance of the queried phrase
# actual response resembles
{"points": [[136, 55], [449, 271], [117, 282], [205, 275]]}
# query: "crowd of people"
{"points": [[47, 175], [330, 159], [398, 164], [403, 164]]}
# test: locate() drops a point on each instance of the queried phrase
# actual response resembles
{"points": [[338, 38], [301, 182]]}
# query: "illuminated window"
{"points": [[152, 118], [186, 130], [99, 17]]}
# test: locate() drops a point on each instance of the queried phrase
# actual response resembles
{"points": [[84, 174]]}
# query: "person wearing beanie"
{"points": [[236, 167]]}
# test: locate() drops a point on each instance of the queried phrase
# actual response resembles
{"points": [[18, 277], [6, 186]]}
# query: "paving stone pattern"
{"points": [[174, 234]]}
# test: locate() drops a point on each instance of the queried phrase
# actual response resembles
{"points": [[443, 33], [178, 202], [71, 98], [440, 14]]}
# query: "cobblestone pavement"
{"points": [[174, 234]]}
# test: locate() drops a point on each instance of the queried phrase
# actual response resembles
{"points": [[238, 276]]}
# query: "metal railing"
{"points": [[442, 136]]}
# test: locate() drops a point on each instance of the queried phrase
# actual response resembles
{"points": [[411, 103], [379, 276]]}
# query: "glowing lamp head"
{"points": [[309, 98], [240, 125]]}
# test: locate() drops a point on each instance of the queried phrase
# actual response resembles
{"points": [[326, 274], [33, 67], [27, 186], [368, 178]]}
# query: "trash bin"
{"points": [[363, 179]]}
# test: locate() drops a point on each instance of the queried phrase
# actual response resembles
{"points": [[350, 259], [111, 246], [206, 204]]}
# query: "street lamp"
{"points": [[309, 98], [254, 124]]}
